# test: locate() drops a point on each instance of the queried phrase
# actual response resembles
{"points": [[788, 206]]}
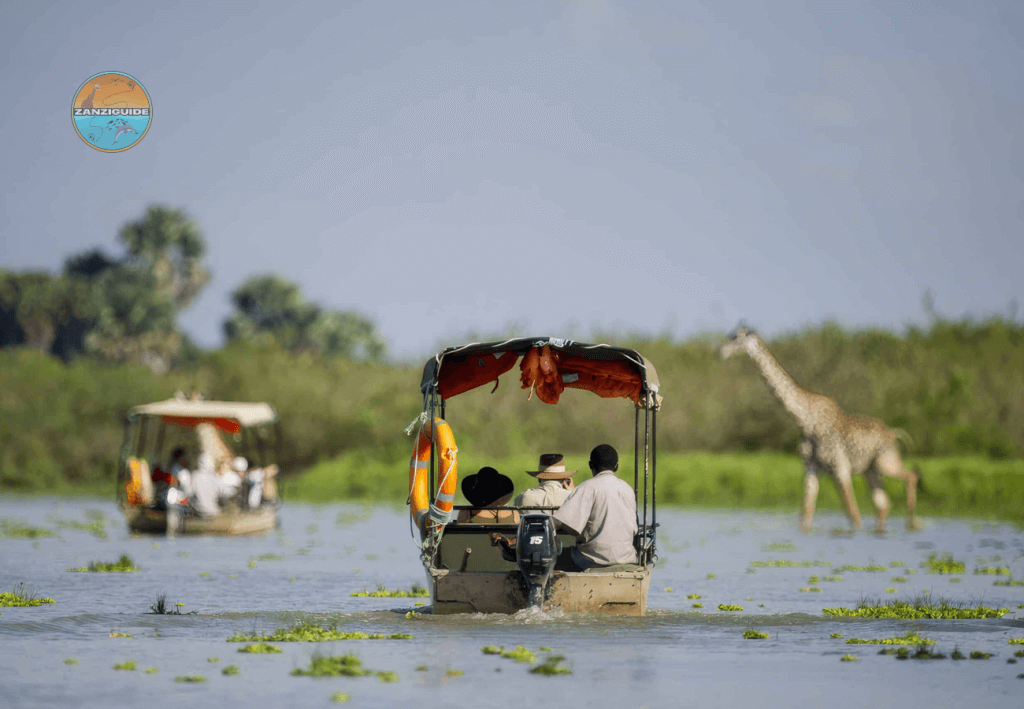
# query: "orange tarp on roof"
{"points": [[229, 425], [471, 372], [548, 372]]}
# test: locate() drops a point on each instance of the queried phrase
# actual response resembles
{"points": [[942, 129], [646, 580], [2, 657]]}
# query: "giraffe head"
{"points": [[742, 338]]}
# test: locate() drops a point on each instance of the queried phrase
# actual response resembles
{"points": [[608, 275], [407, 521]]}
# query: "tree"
{"points": [[269, 307]]}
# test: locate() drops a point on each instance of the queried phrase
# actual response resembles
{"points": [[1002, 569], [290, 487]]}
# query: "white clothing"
{"points": [[602, 513], [549, 493]]}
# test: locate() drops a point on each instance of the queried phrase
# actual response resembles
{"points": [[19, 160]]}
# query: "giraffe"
{"points": [[835, 443], [87, 101]]}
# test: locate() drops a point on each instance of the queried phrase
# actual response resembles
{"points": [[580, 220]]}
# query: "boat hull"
{"points": [[146, 520], [611, 592]]}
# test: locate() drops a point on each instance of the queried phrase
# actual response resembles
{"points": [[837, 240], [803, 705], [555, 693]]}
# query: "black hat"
{"points": [[486, 486]]}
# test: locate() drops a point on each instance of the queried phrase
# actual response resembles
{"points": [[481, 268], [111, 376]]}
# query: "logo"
{"points": [[111, 112]]}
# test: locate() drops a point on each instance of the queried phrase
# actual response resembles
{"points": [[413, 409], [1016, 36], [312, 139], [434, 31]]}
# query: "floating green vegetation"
{"points": [[190, 679], [919, 608], [957, 655], [70, 661], [213, 659], [454, 673], [551, 666], [1019, 653], [693, 596], [979, 655], [127, 665], [491, 650], [832, 579], [1010, 582], [122, 564], [115, 634], [835, 635], [668, 589], [955, 579], [779, 546], [544, 648], [19, 530], [260, 649], [231, 670], [813, 580], [944, 564], [420, 668], [848, 658], [338, 666], [871, 568], [710, 576], [787, 563], [810, 589], [160, 607], [520, 654], [96, 526], [698, 605], [269, 557], [898, 579], [729, 607], [416, 591], [891, 589], [387, 676], [910, 638], [151, 670], [992, 570], [755, 635], [896, 564], [21, 598], [340, 697], [312, 633], [205, 574], [1016, 641]]}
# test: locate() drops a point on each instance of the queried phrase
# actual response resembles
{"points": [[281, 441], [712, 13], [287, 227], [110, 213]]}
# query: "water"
{"points": [[675, 656]]}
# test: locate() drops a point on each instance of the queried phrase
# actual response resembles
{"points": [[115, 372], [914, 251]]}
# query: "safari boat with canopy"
{"points": [[468, 568], [155, 500]]}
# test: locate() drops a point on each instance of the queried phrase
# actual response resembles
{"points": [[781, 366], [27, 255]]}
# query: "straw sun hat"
{"points": [[552, 467]]}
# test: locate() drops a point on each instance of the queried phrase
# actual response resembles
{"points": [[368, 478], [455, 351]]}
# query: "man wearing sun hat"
{"points": [[555, 483]]}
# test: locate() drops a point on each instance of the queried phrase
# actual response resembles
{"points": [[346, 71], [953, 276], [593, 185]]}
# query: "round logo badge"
{"points": [[111, 112]]}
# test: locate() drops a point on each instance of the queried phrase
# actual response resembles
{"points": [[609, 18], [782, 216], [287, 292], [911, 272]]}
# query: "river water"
{"points": [[676, 656]]}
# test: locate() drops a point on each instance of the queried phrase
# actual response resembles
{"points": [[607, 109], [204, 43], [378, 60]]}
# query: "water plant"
{"points": [[992, 570], [1010, 582], [21, 598], [779, 546], [710, 576], [944, 564], [70, 661], [891, 589], [15, 530], [848, 658], [151, 670], [312, 633], [454, 673], [755, 635], [832, 579], [520, 654], [124, 563], [693, 595], [336, 666], [1016, 641], [387, 676], [213, 659], [729, 607], [491, 650], [898, 579], [910, 638], [340, 697], [551, 666], [420, 668], [979, 655], [190, 679], [127, 665], [835, 635], [813, 579], [957, 655], [1019, 653], [260, 649], [160, 607], [871, 568], [698, 605], [416, 591], [787, 563], [810, 589], [231, 670], [115, 634], [916, 609], [896, 564]]}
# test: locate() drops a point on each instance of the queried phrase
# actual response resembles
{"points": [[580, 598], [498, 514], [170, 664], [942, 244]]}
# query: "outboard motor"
{"points": [[537, 549]]}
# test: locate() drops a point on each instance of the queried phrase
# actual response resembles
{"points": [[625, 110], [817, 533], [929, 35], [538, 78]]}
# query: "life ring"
{"points": [[419, 475]]}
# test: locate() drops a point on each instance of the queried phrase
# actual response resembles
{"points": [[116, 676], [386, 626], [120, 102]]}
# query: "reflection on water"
{"points": [[678, 655]]}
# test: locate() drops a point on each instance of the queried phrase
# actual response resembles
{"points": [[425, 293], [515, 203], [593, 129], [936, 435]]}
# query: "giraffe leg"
{"points": [[890, 464], [843, 480], [810, 496], [880, 500]]}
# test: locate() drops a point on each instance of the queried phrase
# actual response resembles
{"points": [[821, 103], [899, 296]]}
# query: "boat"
{"points": [[151, 498], [471, 567]]}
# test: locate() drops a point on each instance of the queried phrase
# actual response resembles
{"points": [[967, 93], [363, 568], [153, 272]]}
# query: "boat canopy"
{"points": [[547, 366], [230, 416]]}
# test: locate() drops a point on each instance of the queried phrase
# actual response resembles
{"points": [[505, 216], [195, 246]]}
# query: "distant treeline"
{"points": [[957, 387]]}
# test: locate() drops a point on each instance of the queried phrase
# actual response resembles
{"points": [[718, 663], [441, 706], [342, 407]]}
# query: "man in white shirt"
{"points": [[601, 512], [555, 483]]}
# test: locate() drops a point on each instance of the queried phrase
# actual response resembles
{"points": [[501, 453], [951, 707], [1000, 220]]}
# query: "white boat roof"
{"points": [[244, 412]]}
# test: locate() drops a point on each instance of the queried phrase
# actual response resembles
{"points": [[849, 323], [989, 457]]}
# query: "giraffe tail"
{"points": [[905, 437]]}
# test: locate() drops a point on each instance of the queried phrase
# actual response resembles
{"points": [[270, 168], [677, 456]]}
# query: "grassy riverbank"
{"points": [[954, 486]]}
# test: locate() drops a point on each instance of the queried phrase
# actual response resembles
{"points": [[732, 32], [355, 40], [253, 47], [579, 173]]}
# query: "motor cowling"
{"points": [[537, 550]]}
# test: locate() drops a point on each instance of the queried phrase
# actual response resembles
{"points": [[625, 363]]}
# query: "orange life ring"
{"points": [[419, 474]]}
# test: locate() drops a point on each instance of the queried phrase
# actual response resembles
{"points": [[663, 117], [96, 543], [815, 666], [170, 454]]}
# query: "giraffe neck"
{"points": [[792, 396]]}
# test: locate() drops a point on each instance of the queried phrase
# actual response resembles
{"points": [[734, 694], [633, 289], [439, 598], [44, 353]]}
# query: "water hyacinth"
{"points": [[20, 598], [918, 609], [123, 564], [944, 564], [311, 633], [416, 591], [908, 639], [755, 635]]}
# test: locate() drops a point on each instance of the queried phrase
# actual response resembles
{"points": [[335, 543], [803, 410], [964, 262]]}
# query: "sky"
{"points": [[553, 168]]}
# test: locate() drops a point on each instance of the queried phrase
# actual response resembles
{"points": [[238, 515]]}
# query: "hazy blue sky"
{"points": [[450, 167]]}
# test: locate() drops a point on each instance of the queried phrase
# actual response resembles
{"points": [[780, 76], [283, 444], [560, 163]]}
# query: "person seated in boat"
{"points": [[555, 483], [229, 482], [205, 487], [601, 513], [488, 488]]}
